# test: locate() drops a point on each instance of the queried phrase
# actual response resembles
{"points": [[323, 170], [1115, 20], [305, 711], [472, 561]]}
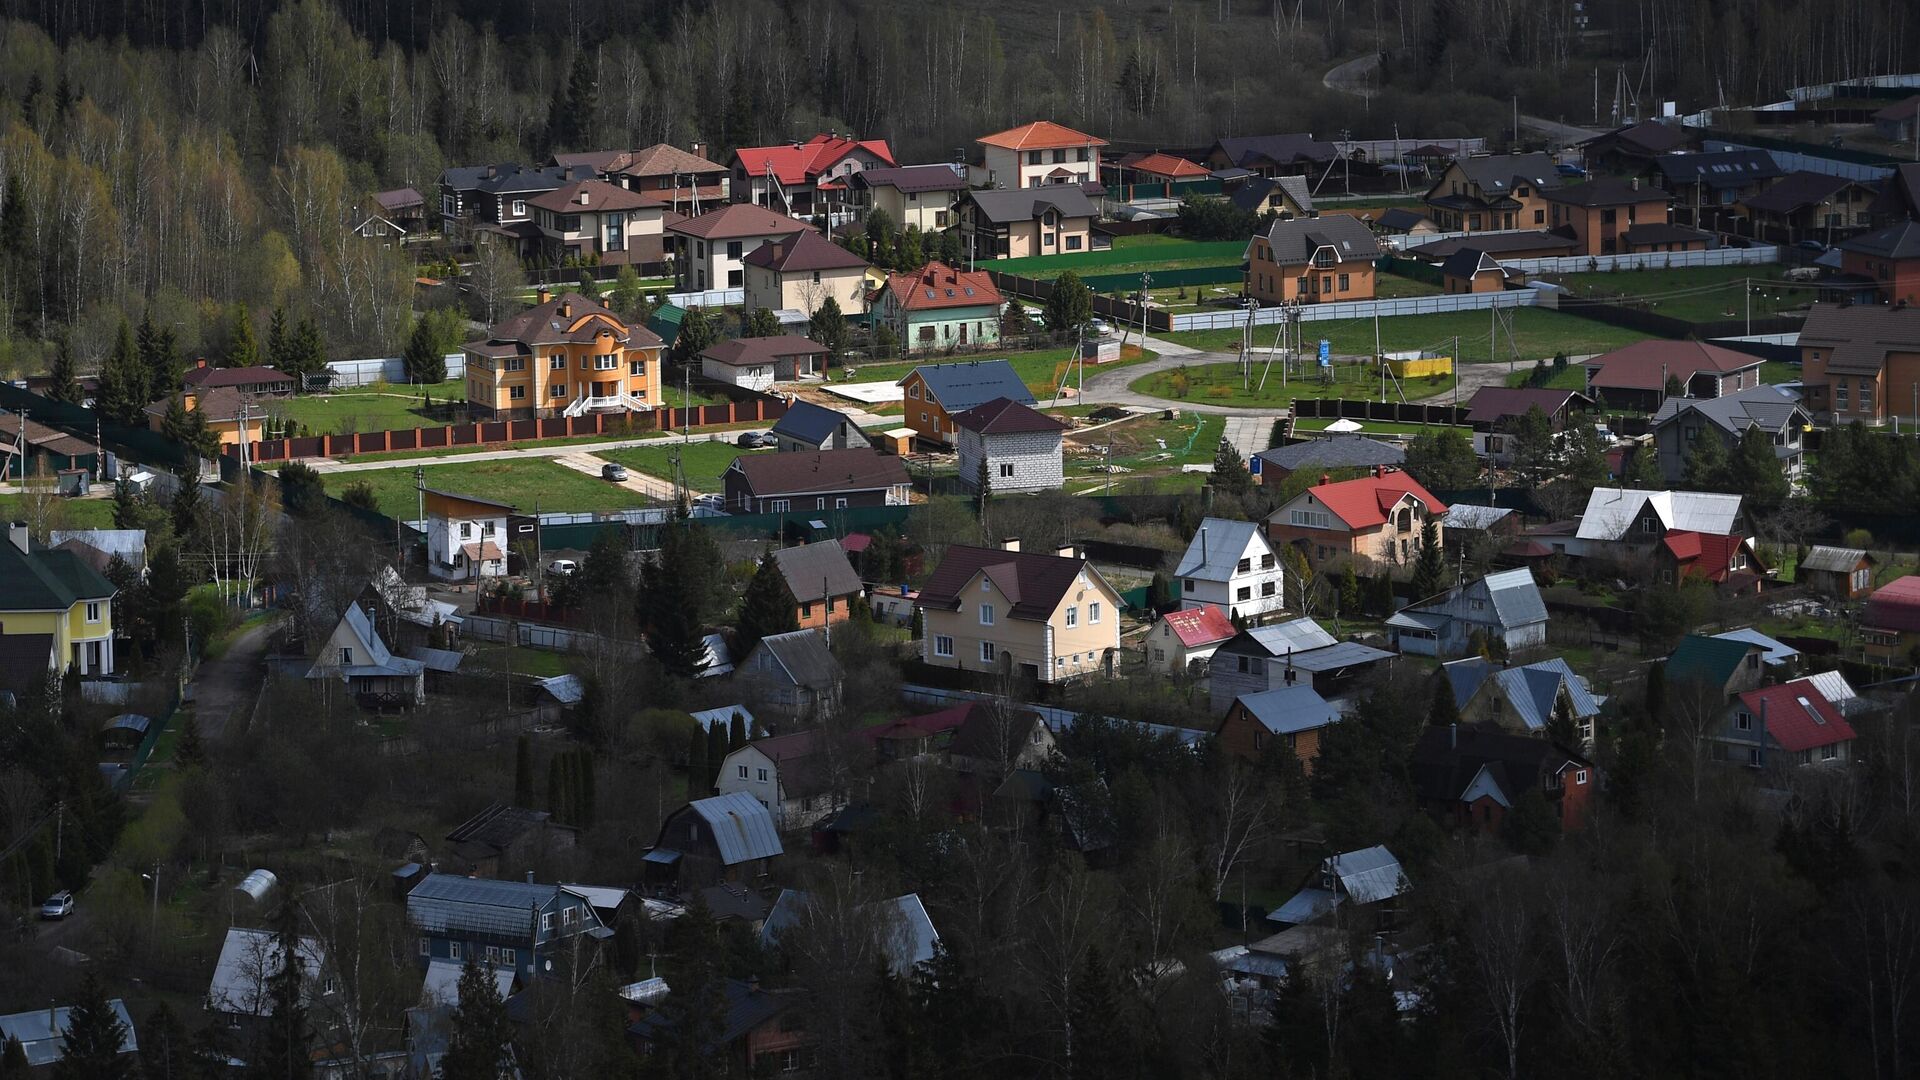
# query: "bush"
{"points": [[1858, 538]]}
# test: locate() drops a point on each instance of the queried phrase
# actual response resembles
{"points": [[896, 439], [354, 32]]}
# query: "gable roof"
{"points": [[1861, 335], [1514, 595], [809, 423], [908, 939], [737, 221], [1287, 710], [804, 250], [1203, 625], [1333, 452], [1798, 716], [1704, 555], [1901, 240], [1033, 583], [1767, 407], [1217, 545], [1612, 511], [1006, 205], [1256, 191], [254, 375], [1895, 605], [377, 659], [965, 384], [1302, 643], [48, 579], [602, 197], [1534, 691], [803, 163], [993, 734], [1369, 874], [1606, 191], [937, 285], [1712, 660], [1646, 365], [42, 1032], [1294, 242], [1471, 516], [1039, 135], [398, 199], [1797, 190], [1364, 502], [1528, 241], [1446, 762], [811, 568], [740, 352], [1717, 169], [803, 655], [1470, 262], [248, 958], [1003, 417], [1778, 652], [450, 903], [1495, 174], [1163, 164], [742, 828], [1248, 151], [1401, 219], [1492, 404], [856, 469], [912, 178], [1838, 560]]}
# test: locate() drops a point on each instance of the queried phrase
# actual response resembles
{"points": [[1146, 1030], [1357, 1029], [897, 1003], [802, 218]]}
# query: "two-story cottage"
{"points": [[1861, 362], [1298, 652], [1888, 259], [466, 536], [1627, 524], [1682, 422], [827, 480], [1611, 216], [763, 1033], [1492, 192], [807, 428], [788, 774], [1471, 777], [1503, 609], [565, 356], [1039, 154], [1637, 376], [1015, 447], [1631, 148], [1232, 566], [686, 180], [595, 221], [994, 741], [1056, 219], [802, 272], [911, 195], [805, 178], [1494, 411], [938, 307], [1720, 668], [820, 580], [1804, 205], [1372, 519], [354, 656], [1296, 154], [491, 203], [935, 393], [1706, 186], [709, 251], [1727, 561], [1890, 626], [1184, 641], [1362, 883], [524, 926], [232, 415], [56, 612], [1523, 699], [1312, 260], [1285, 197], [1292, 717], [797, 676], [1789, 725], [1047, 617], [726, 838], [240, 993]]}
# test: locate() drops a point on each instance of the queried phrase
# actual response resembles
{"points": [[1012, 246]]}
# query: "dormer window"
{"points": [[1324, 257]]}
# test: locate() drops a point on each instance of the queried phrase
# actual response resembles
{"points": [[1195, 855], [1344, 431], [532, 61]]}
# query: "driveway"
{"points": [[646, 484], [225, 690]]}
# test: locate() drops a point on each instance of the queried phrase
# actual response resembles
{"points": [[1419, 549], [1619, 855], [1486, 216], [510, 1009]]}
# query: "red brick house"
{"points": [[1888, 259], [1604, 215], [1375, 519], [1471, 777]]}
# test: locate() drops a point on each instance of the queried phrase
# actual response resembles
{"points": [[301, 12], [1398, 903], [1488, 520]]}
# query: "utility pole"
{"points": [[420, 495], [1748, 290]]}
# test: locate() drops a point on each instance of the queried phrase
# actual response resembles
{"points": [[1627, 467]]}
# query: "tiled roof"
{"points": [[912, 178], [1041, 135], [938, 285], [739, 220], [1798, 715], [1767, 407], [1256, 190], [1333, 452], [1647, 136], [811, 568], [1861, 335], [804, 250], [1032, 582], [963, 384], [828, 470], [568, 317], [1717, 169], [1495, 174], [1167, 165], [662, 159], [601, 197], [803, 163], [1364, 502], [1606, 191], [1646, 365], [1003, 417], [398, 199], [1294, 242], [738, 352], [211, 377], [1203, 625], [1491, 404]]}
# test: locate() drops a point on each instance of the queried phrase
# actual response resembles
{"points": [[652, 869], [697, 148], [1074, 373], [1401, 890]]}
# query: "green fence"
{"points": [[1166, 279], [1412, 269], [1224, 251]]}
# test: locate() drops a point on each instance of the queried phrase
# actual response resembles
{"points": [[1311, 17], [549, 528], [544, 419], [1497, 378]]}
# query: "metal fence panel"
{"points": [[391, 369], [1362, 309], [1757, 255], [709, 298]]}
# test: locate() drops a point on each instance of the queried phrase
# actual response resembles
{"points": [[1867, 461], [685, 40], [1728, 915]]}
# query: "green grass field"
{"points": [[1141, 256], [1712, 293], [519, 482], [1221, 384], [1536, 333], [67, 513], [703, 462], [1040, 369], [1571, 377], [366, 409]]}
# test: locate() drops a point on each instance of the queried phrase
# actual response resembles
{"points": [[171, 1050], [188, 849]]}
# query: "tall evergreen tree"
{"points": [[167, 1052], [286, 1049], [1230, 475], [762, 323], [191, 751], [123, 382], [1642, 469], [1755, 472], [63, 375], [736, 733], [1707, 464], [13, 1057], [1429, 571], [423, 360], [696, 333], [167, 367], [716, 749], [1070, 305], [580, 105], [308, 354], [699, 773], [767, 608], [90, 1046], [828, 327], [243, 347], [279, 339], [1442, 711], [481, 1033]]}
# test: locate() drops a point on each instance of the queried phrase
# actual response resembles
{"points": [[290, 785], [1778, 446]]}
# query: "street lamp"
{"points": [[153, 925]]}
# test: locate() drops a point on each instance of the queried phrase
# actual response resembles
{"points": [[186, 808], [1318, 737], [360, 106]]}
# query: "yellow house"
{"points": [[1049, 617], [563, 357], [55, 612], [228, 412], [803, 271]]}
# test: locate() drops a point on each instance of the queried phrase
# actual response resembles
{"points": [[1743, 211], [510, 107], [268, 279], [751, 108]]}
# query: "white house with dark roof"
{"points": [[466, 535], [355, 656], [1231, 565], [1185, 640], [1019, 447]]}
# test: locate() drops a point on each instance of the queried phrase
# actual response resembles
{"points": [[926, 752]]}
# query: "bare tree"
{"points": [[1245, 818], [497, 279], [1583, 921], [1880, 956], [1071, 917], [1501, 932], [365, 948]]}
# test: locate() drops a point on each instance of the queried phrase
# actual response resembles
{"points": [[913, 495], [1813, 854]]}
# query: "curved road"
{"points": [[1356, 77]]}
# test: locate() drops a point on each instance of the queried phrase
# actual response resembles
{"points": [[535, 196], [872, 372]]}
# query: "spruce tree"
{"points": [[1707, 464], [576, 115], [696, 333], [286, 1052], [279, 340], [1070, 305], [557, 787], [167, 367], [191, 751], [167, 1052], [1230, 475], [90, 1046], [309, 349], [1655, 697], [13, 1056], [762, 323], [63, 375], [588, 799], [123, 383], [716, 751], [423, 360], [766, 609], [1755, 473], [699, 774], [736, 733], [480, 1029], [1443, 711], [828, 327], [1428, 569], [243, 348]]}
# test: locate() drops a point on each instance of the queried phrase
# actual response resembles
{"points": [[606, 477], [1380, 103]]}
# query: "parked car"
{"points": [[613, 471], [1568, 168], [1102, 328], [57, 906], [562, 566], [754, 440], [1813, 246]]}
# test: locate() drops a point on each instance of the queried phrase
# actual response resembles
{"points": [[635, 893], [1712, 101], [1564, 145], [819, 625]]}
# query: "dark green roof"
{"points": [[47, 580], [1706, 659]]}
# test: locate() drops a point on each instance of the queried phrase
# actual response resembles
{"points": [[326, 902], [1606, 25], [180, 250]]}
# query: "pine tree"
{"points": [[913, 249], [123, 383], [1535, 452], [481, 1032], [1642, 469], [188, 510], [279, 340], [1230, 475], [1443, 711], [423, 360], [309, 355], [1707, 464], [90, 1046], [286, 1054], [1655, 695], [1429, 571], [167, 367], [243, 348], [1070, 305], [13, 1056], [578, 110], [523, 771], [64, 376], [1755, 472], [828, 327], [589, 799], [191, 751], [147, 345], [167, 1052], [696, 333], [766, 609], [762, 323], [671, 603]]}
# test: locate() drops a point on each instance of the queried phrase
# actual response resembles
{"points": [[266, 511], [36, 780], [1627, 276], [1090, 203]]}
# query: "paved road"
{"points": [[1249, 434], [645, 483], [224, 690]]}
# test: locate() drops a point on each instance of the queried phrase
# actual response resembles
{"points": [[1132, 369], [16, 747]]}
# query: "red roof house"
{"points": [[1162, 167], [1796, 720], [1635, 376], [937, 285], [1890, 628], [1374, 519], [1184, 638], [1728, 561], [807, 162]]}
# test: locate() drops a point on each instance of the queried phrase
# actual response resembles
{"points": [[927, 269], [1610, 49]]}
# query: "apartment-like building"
{"points": [[710, 250]]}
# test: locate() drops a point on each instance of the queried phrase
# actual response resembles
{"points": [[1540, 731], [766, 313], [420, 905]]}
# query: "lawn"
{"points": [[1222, 384], [519, 482], [1164, 253], [1571, 377], [67, 513], [1537, 333], [539, 663], [703, 462], [1393, 287], [1779, 371], [367, 409], [1040, 369], [1707, 293]]}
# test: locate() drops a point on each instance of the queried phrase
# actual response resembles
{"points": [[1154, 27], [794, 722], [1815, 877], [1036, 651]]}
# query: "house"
{"points": [[404, 207], [727, 838], [99, 547], [1297, 652], [240, 992], [1610, 216], [1296, 154], [688, 181], [810, 428], [527, 927], [56, 612], [231, 415], [1368, 878], [938, 307], [709, 250], [1636, 376], [1039, 154], [760, 1033], [1527, 244], [1855, 361], [1289, 716], [790, 775], [1467, 523], [994, 741], [354, 655], [830, 479], [1791, 724], [802, 272], [905, 937], [1719, 667], [820, 580], [42, 1033], [1400, 221], [805, 177], [899, 740], [1505, 608], [1285, 197], [565, 356], [935, 392], [1725, 560], [502, 840], [911, 195], [1631, 148], [1806, 205], [1493, 411], [1372, 519], [1841, 573], [796, 673], [255, 380], [1015, 447], [1890, 626], [1889, 258], [1899, 121], [1492, 192], [466, 536], [1469, 776], [1899, 195], [1312, 260], [1324, 455], [1523, 699], [757, 363], [1682, 422], [489, 204], [1156, 167], [1054, 219], [1707, 186], [593, 221], [1231, 565], [1471, 270], [1778, 655], [1628, 523], [1044, 616], [1183, 642], [441, 986]]}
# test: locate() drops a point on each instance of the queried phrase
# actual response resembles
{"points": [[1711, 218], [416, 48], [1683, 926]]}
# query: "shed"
{"points": [[1841, 572]]}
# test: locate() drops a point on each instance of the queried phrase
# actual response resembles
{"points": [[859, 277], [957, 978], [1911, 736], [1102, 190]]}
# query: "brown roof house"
{"points": [[503, 841], [828, 480], [1636, 376], [1492, 192], [1493, 411], [803, 271], [758, 363], [709, 250], [599, 222], [1610, 216], [1806, 205], [1049, 617], [689, 181], [1861, 362], [820, 580], [1015, 447]]}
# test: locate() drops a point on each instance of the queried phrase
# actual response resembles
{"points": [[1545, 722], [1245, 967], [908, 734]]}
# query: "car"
{"points": [[57, 906], [754, 440], [562, 567], [614, 471], [1102, 328], [1568, 168], [1814, 246]]}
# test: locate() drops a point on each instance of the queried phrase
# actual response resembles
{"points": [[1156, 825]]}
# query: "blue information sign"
{"points": [[1326, 353]]}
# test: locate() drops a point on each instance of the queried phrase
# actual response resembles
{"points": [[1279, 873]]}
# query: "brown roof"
{"points": [[938, 285], [1033, 583], [1494, 403], [828, 470], [1167, 165], [662, 159], [1861, 335], [740, 220], [216, 404], [738, 352], [1003, 417], [601, 197], [806, 250], [568, 317], [398, 199], [1606, 191], [210, 377], [1042, 135], [1645, 365]]}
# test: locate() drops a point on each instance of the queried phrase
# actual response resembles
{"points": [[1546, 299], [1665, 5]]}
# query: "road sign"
{"points": [[1326, 353]]}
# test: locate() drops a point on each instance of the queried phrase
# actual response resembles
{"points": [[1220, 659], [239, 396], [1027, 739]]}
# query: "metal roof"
{"points": [[566, 689], [706, 718], [449, 903], [1534, 691], [803, 655], [1299, 635], [908, 938], [1515, 597], [1338, 655], [1244, 961], [1305, 906], [1216, 549], [1369, 874], [1770, 408], [1289, 709], [442, 985], [808, 423], [1707, 659], [1836, 560], [963, 384], [1343, 452], [1466, 676], [1612, 511], [1470, 516], [742, 828], [248, 958], [42, 1031], [1777, 652]]}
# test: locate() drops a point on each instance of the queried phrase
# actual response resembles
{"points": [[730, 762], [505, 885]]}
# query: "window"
{"points": [[914, 392], [1073, 615], [1310, 519], [453, 950], [426, 947], [466, 530], [986, 614], [1742, 721], [1579, 777], [637, 367], [1266, 561], [1840, 395], [1753, 757], [1188, 582], [557, 362], [733, 249], [762, 775], [987, 653], [1866, 395], [806, 611], [516, 393], [942, 645], [557, 390], [1073, 243], [93, 611], [1539, 217], [493, 955], [510, 957], [1829, 752], [780, 506], [1006, 470], [1343, 283], [346, 657], [546, 920], [1046, 239], [1093, 613], [1244, 592], [519, 208], [742, 771], [606, 362], [1244, 565], [1266, 588]]}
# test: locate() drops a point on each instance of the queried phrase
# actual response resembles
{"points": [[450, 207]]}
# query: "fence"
{"points": [[1163, 279], [390, 369], [486, 433], [1120, 311], [1357, 309], [1384, 412], [709, 298], [1412, 269], [129, 443], [1666, 326], [1757, 255]]}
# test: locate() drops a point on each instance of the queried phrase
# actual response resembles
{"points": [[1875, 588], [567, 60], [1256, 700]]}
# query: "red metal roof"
{"points": [[803, 163], [1200, 626], [1798, 716], [1364, 503], [1895, 605], [1704, 555], [915, 727], [1645, 365], [1167, 165]]}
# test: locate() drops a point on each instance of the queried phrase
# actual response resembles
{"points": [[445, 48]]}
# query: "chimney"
{"points": [[1011, 543], [17, 532], [566, 309], [1636, 183], [584, 197], [1326, 478], [1067, 551], [1379, 472], [529, 877], [697, 148], [544, 296], [199, 361], [1453, 736]]}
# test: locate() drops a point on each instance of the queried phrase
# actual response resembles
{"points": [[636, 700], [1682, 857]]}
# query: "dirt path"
{"points": [[224, 690]]}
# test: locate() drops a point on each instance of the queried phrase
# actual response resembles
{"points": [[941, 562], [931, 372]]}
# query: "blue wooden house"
{"points": [[522, 925]]}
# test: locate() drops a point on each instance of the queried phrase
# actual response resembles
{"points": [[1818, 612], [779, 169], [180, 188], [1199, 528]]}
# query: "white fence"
{"points": [[709, 298], [1361, 309], [1403, 241], [1757, 255], [388, 369]]}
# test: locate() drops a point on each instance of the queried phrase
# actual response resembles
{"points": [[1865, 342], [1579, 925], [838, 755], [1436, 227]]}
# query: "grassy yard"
{"points": [[1712, 293], [367, 409], [1393, 287], [1779, 371], [1040, 369], [539, 663], [1571, 377], [1142, 256], [518, 482], [67, 513], [1536, 333], [1221, 384], [703, 462]]}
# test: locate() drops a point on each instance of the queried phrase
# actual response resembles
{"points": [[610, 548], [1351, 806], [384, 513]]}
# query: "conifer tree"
{"points": [[1428, 569], [1230, 475], [1707, 465], [766, 609], [123, 383], [309, 350], [90, 1046], [423, 360], [1443, 711], [243, 348], [191, 751], [13, 1057], [736, 733], [279, 339], [63, 376], [699, 774], [286, 1053], [481, 1032], [828, 327]]}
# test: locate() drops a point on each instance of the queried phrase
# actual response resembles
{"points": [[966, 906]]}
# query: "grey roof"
{"points": [[381, 661], [1837, 560], [742, 828], [1495, 173], [1471, 516], [1215, 550], [1007, 205], [1468, 262], [1534, 690], [1369, 874], [442, 985], [1246, 150], [1289, 709], [1860, 335], [1612, 511], [1297, 635], [566, 689], [803, 655], [1338, 655], [129, 544], [1529, 241], [963, 384], [437, 659], [1255, 191], [1797, 189], [1466, 677], [811, 568], [1778, 652], [247, 959], [909, 939], [809, 423], [1294, 242], [1244, 961], [446, 903], [1305, 906], [1401, 219], [41, 1031], [1336, 452], [1770, 408], [1515, 596], [1718, 168]]}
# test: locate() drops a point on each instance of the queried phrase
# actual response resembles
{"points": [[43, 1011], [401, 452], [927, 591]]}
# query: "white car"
{"points": [[562, 566], [57, 906], [1102, 328]]}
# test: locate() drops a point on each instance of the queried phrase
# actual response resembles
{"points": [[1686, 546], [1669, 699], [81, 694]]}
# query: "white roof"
{"points": [[1369, 874], [1778, 652], [1612, 511], [600, 896], [1342, 425], [706, 718], [909, 936], [248, 958], [442, 986], [1217, 548]]}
